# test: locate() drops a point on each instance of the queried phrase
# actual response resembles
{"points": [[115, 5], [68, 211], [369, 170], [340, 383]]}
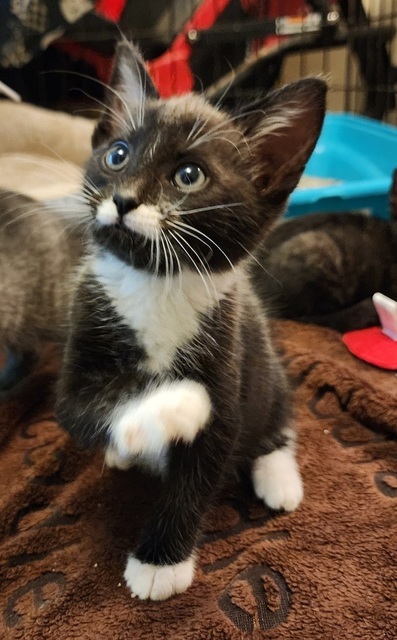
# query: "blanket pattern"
{"points": [[326, 571]]}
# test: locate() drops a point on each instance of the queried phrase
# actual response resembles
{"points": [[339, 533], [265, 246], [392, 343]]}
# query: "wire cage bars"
{"points": [[231, 49]]}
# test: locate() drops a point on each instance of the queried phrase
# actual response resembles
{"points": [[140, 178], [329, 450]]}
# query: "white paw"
{"points": [[184, 409], [174, 411], [277, 480], [152, 582], [114, 461]]}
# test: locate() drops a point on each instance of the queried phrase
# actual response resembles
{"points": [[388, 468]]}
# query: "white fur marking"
{"points": [[153, 582], [144, 220], [114, 461], [277, 480], [165, 317], [106, 213], [174, 411]]}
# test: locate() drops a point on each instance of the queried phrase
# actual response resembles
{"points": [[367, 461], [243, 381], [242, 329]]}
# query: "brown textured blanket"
{"points": [[327, 571]]}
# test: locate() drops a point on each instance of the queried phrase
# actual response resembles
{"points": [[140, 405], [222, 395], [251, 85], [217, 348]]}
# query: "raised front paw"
{"points": [[174, 411], [158, 582], [183, 410]]}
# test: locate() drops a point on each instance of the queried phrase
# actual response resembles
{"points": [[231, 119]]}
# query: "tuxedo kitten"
{"points": [[169, 361], [38, 252], [324, 268]]}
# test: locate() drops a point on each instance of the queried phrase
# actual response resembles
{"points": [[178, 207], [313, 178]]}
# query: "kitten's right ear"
{"points": [[125, 97], [282, 133]]}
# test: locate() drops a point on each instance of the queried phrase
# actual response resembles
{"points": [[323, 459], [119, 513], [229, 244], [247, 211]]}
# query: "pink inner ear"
{"points": [[287, 149]]}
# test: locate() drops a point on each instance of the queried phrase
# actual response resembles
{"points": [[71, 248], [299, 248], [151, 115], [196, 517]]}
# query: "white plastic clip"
{"points": [[386, 309]]}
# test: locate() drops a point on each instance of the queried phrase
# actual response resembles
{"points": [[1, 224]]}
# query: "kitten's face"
{"points": [[178, 184], [176, 191]]}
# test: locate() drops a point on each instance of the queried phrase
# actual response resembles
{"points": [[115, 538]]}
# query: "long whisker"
{"points": [[42, 163], [228, 86], [178, 262], [192, 231], [150, 265], [117, 116], [41, 209], [225, 205], [87, 181], [59, 225], [157, 254], [26, 214], [196, 124], [57, 171], [80, 205], [202, 262], [167, 247], [167, 287], [65, 221], [216, 106], [90, 190], [218, 126], [142, 95], [151, 259], [103, 84], [177, 235], [255, 259], [61, 205], [176, 204]]}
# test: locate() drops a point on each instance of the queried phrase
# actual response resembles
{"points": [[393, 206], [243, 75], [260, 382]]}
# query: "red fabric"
{"points": [[171, 72], [373, 346], [274, 8], [110, 9]]}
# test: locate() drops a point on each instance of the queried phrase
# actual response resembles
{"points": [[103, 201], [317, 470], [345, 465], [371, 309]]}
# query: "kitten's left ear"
{"points": [[282, 132], [129, 87]]}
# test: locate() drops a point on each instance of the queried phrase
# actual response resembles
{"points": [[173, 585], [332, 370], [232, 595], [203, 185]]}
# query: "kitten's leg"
{"points": [[276, 478], [163, 563], [174, 411], [16, 368]]}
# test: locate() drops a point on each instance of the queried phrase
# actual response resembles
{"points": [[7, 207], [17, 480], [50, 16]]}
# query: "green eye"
{"points": [[117, 156], [189, 178]]}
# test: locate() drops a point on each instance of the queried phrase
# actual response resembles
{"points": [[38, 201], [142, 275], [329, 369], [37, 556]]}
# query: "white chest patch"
{"points": [[164, 314]]}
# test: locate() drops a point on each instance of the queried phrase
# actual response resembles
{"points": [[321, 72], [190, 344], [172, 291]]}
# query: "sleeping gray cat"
{"points": [[39, 250], [324, 268], [169, 361]]}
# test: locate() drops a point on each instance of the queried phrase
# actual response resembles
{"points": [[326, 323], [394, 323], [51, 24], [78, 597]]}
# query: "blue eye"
{"points": [[189, 177], [117, 156]]}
